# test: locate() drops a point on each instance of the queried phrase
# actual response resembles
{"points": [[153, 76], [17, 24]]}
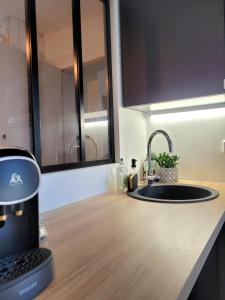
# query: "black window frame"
{"points": [[32, 65]]}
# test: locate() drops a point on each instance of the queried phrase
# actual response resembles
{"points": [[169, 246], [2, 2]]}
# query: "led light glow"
{"points": [[96, 124], [196, 115], [188, 102]]}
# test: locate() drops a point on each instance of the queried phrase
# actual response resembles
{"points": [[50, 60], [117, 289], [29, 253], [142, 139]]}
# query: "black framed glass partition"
{"points": [[58, 110], [95, 80], [15, 117], [59, 93]]}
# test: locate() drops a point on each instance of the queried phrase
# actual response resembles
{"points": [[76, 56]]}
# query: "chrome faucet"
{"points": [[169, 141]]}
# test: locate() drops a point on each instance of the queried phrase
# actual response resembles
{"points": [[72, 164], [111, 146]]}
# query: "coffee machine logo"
{"points": [[15, 180]]}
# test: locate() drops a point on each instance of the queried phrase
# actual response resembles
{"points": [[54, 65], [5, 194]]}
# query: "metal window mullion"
{"points": [[78, 74], [107, 24], [32, 66]]}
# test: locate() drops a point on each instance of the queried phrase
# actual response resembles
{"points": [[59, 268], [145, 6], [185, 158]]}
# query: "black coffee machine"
{"points": [[25, 269]]}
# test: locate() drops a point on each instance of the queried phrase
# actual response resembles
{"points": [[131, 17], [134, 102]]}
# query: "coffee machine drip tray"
{"points": [[25, 273]]}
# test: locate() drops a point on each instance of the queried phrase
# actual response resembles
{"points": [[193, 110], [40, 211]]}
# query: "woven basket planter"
{"points": [[168, 175]]}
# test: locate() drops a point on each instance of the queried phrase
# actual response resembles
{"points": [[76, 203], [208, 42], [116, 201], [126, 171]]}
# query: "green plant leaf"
{"points": [[166, 160]]}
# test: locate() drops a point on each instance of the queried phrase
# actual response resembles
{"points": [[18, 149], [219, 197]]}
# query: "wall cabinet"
{"points": [[171, 49], [210, 284]]}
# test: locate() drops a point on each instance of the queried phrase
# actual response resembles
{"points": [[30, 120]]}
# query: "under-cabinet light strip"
{"points": [[196, 115], [96, 123]]}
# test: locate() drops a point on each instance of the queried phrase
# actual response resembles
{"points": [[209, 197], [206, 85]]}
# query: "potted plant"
{"points": [[167, 167]]}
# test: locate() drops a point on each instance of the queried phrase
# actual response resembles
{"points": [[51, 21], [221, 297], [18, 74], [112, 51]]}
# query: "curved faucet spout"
{"points": [[169, 141]]}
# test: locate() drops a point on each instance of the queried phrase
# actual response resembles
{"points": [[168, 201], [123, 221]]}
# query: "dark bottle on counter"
{"points": [[133, 177]]}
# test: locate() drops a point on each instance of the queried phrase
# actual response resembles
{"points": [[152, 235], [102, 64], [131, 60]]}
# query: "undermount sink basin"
{"points": [[174, 193]]}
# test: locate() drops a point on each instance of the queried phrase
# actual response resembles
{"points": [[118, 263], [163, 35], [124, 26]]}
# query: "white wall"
{"points": [[197, 138], [133, 137], [93, 36], [59, 46], [130, 125], [62, 188]]}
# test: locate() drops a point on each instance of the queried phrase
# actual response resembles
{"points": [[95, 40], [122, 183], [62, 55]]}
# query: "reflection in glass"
{"points": [[95, 80], [59, 123], [15, 122]]}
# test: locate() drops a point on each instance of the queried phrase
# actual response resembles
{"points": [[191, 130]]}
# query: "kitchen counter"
{"points": [[113, 247]]}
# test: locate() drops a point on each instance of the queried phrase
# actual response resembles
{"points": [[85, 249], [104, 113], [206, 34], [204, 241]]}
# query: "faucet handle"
{"points": [[152, 179], [151, 171]]}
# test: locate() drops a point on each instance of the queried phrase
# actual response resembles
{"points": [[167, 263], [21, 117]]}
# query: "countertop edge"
{"points": [[214, 214], [193, 276]]}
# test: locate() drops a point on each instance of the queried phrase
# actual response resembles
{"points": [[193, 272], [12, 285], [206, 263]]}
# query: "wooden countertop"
{"points": [[113, 247]]}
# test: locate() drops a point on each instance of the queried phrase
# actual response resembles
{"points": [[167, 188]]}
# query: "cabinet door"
{"points": [[210, 284], [171, 49]]}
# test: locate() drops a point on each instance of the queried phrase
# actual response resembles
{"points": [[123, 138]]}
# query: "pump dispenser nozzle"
{"points": [[133, 163]]}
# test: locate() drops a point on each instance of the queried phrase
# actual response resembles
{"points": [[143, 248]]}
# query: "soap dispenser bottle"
{"points": [[121, 175], [133, 177]]}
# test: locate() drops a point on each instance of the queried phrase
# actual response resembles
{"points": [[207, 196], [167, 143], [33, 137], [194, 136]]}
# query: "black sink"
{"points": [[174, 193]]}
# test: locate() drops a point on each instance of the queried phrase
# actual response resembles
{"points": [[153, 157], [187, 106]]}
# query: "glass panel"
{"points": [[15, 117], [95, 80], [59, 123]]}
